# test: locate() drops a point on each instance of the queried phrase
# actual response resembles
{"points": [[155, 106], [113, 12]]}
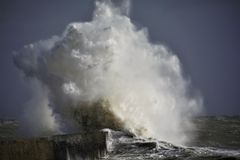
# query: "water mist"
{"points": [[107, 63]]}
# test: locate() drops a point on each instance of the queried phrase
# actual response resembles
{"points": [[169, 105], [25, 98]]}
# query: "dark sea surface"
{"points": [[221, 132], [216, 138]]}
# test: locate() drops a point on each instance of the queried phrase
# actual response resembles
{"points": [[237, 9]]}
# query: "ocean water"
{"points": [[220, 132], [216, 138]]}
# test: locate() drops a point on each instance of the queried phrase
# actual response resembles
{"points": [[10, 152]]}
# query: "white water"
{"points": [[108, 58]]}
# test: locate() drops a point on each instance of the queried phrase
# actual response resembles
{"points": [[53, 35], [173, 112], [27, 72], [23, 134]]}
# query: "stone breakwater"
{"points": [[91, 145]]}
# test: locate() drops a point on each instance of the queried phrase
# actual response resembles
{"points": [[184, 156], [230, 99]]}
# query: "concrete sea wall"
{"points": [[60, 147]]}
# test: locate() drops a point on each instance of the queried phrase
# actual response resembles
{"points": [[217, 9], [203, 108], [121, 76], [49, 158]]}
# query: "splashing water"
{"points": [[111, 61]]}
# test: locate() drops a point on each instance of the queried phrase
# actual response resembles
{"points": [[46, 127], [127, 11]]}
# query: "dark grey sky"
{"points": [[205, 34]]}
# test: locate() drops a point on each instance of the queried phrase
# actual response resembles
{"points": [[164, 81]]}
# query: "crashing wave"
{"points": [[107, 61]]}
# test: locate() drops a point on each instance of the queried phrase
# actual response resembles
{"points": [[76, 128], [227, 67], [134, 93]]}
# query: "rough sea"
{"points": [[101, 74], [216, 138]]}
